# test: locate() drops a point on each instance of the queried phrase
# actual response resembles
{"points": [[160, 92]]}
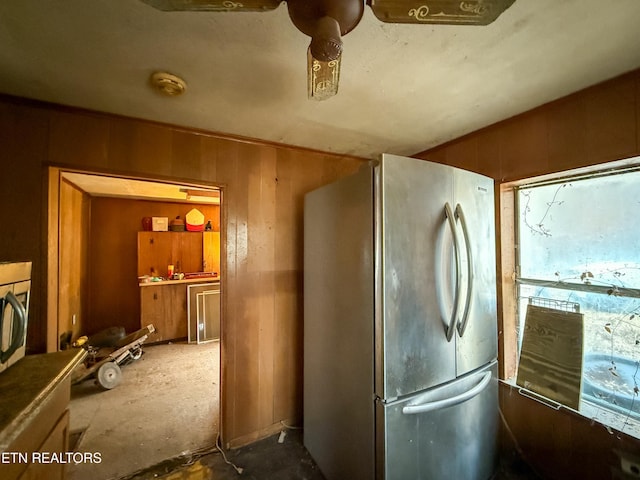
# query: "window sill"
{"points": [[613, 422]]}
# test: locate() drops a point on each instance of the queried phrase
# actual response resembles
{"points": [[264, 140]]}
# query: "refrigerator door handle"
{"points": [[462, 325], [451, 325], [412, 409]]}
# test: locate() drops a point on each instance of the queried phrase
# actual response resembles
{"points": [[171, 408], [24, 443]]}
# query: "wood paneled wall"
{"points": [[113, 291], [23, 187], [73, 261], [596, 125], [593, 126], [263, 189]]}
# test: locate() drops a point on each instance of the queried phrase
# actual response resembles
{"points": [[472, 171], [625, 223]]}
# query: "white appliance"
{"points": [[15, 287], [400, 334]]}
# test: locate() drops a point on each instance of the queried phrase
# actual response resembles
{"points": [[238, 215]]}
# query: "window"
{"points": [[577, 249]]}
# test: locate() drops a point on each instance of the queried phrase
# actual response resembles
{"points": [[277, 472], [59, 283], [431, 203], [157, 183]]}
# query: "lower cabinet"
{"points": [[56, 442], [34, 416], [164, 306], [181, 311]]}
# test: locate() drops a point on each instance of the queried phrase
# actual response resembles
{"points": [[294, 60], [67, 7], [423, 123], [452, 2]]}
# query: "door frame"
{"points": [[54, 179]]}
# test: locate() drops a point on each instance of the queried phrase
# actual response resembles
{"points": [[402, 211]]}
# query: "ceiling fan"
{"points": [[326, 21]]}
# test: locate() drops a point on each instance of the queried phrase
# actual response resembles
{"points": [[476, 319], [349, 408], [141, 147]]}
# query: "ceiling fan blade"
{"points": [[448, 12], [213, 5]]}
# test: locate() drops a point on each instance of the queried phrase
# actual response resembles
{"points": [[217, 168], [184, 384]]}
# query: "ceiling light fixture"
{"points": [[208, 196], [168, 84]]}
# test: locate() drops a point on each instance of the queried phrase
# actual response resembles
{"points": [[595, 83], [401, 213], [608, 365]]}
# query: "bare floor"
{"points": [[280, 457], [166, 405], [161, 422]]}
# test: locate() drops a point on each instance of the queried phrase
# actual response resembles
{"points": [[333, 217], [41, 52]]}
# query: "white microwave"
{"points": [[15, 287]]}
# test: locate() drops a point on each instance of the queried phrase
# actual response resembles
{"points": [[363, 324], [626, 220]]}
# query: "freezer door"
{"points": [[445, 433], [415, 283], [476, 324]]}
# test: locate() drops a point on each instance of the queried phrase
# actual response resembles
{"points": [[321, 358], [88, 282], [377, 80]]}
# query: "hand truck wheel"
{"points": [[109, 375]]}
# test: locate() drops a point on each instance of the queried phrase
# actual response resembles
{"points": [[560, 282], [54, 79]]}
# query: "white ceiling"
{"points": [[403, 88], [106, 186]]}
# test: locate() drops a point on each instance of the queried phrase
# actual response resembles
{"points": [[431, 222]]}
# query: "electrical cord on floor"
{"points": [[185, 459], [224, 457], [290, 427], [283, 433], [201, 452]]}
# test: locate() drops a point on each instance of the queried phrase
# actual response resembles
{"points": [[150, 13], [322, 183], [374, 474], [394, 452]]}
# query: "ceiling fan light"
{"points": [[326, 44], [322, 77]]}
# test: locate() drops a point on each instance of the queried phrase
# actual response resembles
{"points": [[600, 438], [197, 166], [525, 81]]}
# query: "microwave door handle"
{"points": [[467, 303], [451, 326], [412, 409], [17, 334]]}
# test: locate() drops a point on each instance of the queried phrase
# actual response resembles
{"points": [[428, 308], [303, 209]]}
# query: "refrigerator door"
{"points": [[444, 433], [476, 326], [415, 283]]}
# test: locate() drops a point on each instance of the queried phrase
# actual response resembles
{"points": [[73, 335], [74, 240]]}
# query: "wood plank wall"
{"points": [[113, 261], [73, 261], [263, 187], [23, 187], [596, 125]]}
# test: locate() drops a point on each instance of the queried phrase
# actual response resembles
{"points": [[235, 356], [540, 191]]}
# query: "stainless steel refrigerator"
{"points": [[400, 339]]}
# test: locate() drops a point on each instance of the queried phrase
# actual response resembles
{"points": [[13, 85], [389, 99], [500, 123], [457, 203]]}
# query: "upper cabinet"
{"points": [[188, 252], [211, 251]]}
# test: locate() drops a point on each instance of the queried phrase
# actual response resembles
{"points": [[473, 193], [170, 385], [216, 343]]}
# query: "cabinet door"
{"points": [[164, 306], [57, 441], [155, 252], [177, 323], [187, 252], [211, 252]]}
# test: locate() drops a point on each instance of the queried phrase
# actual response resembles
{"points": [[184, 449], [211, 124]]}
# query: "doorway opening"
{"points": [[107, 269]]}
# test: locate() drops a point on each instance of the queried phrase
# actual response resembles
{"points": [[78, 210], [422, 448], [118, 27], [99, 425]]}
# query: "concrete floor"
{"points": [[161, 422], [273, 458], [166, 404]]}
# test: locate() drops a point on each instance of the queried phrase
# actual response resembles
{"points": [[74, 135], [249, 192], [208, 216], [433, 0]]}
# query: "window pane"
{"points": [[611, 323], [582, 231], [611, 348]]}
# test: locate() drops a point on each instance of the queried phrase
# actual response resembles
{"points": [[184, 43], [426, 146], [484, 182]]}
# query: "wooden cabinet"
{"points": [[157, 250], [211, 252], [165, 306], [57, 441], [34, 415]]}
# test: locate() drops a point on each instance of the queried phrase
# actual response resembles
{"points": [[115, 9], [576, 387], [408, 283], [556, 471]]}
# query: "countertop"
{"points": [[186, 280], [26, 385]]}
